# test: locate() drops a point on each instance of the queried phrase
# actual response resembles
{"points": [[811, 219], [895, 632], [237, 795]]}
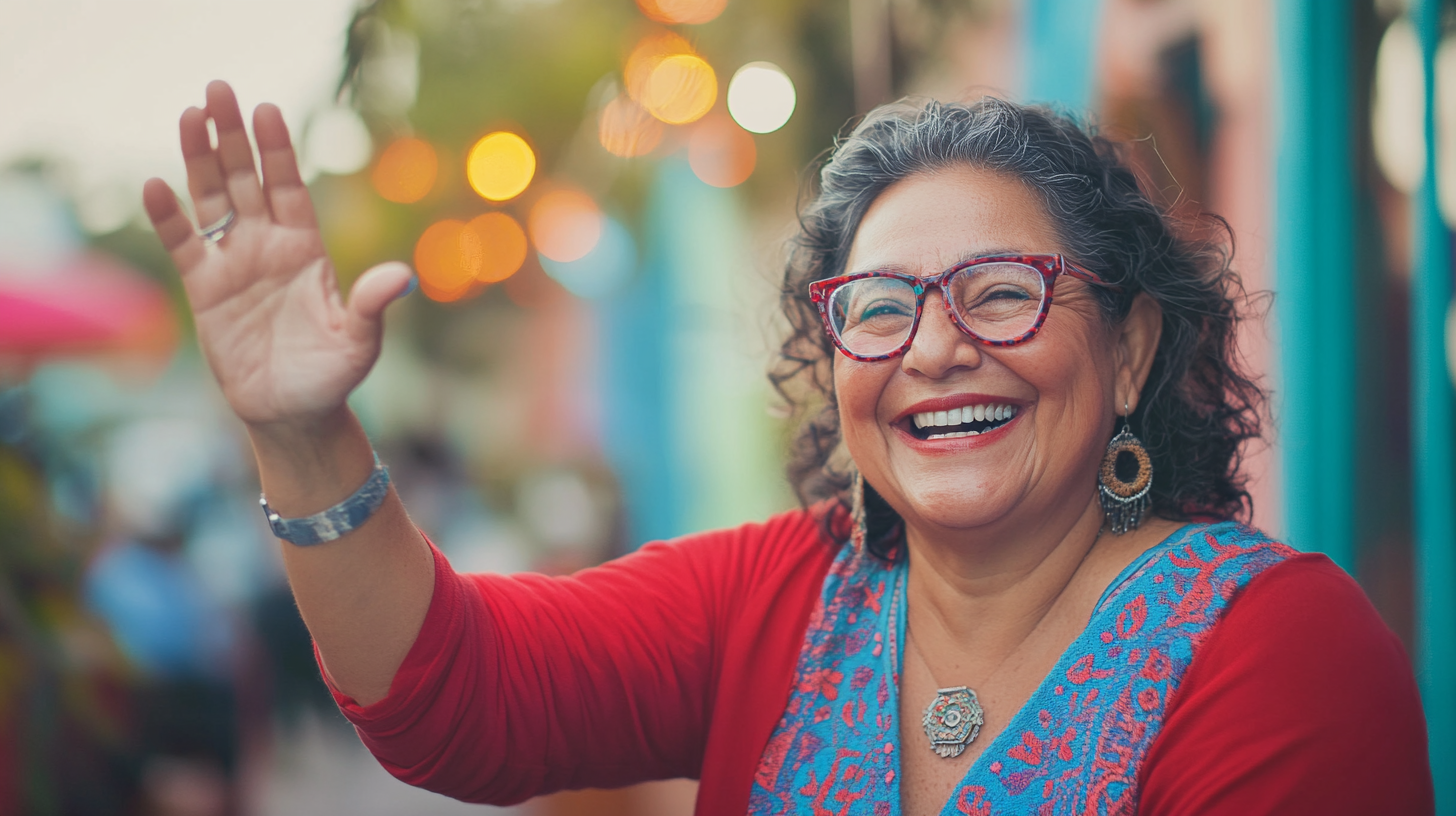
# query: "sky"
{"points": [[99, 84]]}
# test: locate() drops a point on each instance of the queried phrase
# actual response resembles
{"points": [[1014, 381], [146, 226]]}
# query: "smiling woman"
{"points": [[1018, 584]]}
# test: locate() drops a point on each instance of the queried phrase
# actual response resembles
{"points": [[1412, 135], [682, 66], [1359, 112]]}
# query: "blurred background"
{"points": [[596, 195]]}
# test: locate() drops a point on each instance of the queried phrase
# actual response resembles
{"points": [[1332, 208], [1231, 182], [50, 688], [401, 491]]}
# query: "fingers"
{"points": [[172, 225], [235, 152], [376, 289], [282, 185], [204, 177]]}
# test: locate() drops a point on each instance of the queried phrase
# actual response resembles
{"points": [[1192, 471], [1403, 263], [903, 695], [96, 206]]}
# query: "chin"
{"points": [[957, 508]]}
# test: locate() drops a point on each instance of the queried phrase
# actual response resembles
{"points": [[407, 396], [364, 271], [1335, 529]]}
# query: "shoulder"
{"points": [[1279, 706]]}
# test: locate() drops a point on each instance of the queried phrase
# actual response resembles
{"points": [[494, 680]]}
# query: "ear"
{"points": [[1137, 341]]}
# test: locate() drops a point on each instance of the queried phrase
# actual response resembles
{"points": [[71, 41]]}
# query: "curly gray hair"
{"points": [[1198, 406]]}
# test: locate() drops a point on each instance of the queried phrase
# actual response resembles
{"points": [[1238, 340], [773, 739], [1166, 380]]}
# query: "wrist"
{"points": [[305, 467]]}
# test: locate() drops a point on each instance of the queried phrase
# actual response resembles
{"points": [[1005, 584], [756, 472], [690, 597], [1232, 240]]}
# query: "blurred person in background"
{"points": [[176, 633], [1017, 583]]}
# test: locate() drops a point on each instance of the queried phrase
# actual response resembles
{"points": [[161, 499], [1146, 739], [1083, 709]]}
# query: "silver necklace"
{"points": [[954, 718]]}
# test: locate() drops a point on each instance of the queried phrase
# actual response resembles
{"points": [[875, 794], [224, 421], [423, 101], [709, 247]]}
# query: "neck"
{"points": [[986, 592]]}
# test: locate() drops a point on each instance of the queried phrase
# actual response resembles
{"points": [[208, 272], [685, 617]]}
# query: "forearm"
{"points": [[363, 596]]}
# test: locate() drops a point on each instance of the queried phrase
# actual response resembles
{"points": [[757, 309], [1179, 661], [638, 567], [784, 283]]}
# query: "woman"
{"points": [[1019, 621]]}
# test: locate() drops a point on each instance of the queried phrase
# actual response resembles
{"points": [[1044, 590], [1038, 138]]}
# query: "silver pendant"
{"points": [[952, 721]]}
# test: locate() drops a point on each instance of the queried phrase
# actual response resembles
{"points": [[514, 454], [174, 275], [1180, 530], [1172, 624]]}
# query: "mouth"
{"points": [[955, 423]]}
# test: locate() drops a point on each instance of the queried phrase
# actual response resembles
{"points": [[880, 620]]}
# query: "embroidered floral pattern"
{"points": [[1077, 744]]}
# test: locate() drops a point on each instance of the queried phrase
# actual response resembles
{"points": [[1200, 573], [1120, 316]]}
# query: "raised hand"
{"points": [[284, 345]]}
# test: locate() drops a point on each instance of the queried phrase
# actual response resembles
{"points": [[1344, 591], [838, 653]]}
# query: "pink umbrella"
{"points": [[87, 303]]}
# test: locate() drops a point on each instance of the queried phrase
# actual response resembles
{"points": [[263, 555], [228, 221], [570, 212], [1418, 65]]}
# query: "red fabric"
{"points": [[676, 661], [1300, 701]]}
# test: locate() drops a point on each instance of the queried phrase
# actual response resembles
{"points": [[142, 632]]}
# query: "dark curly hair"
{"points": [[1198, 406]]}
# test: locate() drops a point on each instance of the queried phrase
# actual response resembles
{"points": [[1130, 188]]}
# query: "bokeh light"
{"points": [[690, 12], [681, 89], [761, 97], [500, 166], [1445, 94], [502, 244], [338, 142], [565, 224], [721, 153], [645, 56], [406, 170], [601, 271], [448, 257], [1397, 105], [626, 129]]}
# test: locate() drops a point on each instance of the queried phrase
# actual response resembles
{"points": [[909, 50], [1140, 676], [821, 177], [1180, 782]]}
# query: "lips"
{"points": [[956, 417]]}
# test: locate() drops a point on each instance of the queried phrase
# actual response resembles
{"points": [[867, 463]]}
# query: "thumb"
{"points": [[372, 292]]}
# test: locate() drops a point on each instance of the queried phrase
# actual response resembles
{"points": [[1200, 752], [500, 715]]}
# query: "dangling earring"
{"points": [[1125, 502], [859, 527]]}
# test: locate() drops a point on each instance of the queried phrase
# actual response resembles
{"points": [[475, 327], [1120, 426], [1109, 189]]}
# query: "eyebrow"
{"points": [[966, 255]]}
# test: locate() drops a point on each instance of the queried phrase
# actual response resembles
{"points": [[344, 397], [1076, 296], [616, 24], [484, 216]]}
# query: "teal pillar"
{"points": [[1433, 454], [1314, 275], [1058, 62]]}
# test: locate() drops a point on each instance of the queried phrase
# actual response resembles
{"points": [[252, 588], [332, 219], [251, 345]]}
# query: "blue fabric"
{"points": [[159, 612], [1077, 744]]}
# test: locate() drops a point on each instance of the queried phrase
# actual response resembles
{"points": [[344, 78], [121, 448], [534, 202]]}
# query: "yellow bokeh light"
{"points": [[565, 225], [681, 89], [448, 258], [406, 170], [646, 54], [721, 153], [500, 166], [625, 129], [502, 243], [690, 12]]}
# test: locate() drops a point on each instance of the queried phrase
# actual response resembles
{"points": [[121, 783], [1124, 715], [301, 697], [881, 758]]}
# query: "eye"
{"points": [[1005, 292], [882, 308]]}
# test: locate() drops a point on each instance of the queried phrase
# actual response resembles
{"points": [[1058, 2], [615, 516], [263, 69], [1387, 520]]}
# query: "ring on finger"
{"points": [[214, 232]]}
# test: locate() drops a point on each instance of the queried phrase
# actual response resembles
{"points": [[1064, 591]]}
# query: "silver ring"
{"points": [[214, 232]]}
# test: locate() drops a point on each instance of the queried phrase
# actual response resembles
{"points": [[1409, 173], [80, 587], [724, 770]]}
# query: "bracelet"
{"points": [[336, 521]]}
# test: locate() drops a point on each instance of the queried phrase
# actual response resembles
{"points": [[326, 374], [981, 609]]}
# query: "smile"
{"points": [[968, 420]]}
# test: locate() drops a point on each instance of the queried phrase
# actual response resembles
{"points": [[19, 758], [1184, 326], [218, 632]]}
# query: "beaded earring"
{"points": [[1125, 501], [859, 529]]}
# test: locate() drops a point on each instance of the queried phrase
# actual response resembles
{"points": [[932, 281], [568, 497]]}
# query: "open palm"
{"points": [[281, 341]]}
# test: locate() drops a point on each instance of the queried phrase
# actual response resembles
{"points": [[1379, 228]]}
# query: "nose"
{"points": [[939, 345]]}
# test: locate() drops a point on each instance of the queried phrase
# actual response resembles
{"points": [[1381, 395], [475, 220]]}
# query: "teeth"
{"points": [[966, 413]]}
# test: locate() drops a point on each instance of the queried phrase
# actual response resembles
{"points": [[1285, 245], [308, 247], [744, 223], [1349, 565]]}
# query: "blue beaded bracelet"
{"points": [[342, 518]]}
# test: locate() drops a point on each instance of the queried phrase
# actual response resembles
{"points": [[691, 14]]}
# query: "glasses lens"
{"points": [[998, 301], [872, 316]]}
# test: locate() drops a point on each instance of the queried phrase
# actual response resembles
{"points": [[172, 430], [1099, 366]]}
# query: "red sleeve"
{"points": [[522, 685], [1300, 671]]}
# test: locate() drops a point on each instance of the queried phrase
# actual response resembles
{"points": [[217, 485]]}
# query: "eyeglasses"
{"points": [[1000, 300]]}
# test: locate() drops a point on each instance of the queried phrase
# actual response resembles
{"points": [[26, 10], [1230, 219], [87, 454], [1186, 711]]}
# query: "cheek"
{"points": [[858, 387]]}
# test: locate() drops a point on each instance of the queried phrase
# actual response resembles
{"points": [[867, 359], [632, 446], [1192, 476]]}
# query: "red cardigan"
{"points": [[676, 661]]}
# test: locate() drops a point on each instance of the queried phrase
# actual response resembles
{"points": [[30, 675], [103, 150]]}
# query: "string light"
{"points": [[406, 170], [689, 12], [626, 129], [681, 89], [721, 153], [500, 166], [502, 245], [448, 257], [565, 224]]}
